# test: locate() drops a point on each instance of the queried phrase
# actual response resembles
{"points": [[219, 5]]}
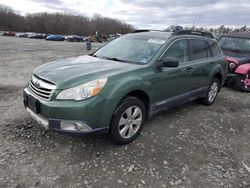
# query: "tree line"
{"points": [[60, 23], [68, 24]]}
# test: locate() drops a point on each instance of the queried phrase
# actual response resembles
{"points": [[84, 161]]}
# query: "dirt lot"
{"points": [[189, 146]]}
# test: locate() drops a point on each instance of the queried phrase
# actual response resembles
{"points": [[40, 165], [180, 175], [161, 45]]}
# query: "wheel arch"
{"points": [[141, 95], [220, 78], [128, 85], [138, 93]]}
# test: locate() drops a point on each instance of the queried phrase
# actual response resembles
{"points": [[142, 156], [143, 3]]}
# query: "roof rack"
{"points": [[180, 32], [144, 30], [191, 32]]}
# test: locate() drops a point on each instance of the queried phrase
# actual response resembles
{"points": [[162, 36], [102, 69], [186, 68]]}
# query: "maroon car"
{"points": [[9, 33], [236, 47]]}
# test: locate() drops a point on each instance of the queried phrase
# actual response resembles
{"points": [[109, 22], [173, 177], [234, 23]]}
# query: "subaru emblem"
{"points": [[37, 84]]}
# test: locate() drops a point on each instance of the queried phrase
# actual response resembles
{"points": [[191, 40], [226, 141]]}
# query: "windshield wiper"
{"points": [[117, 59], [114, 59]]}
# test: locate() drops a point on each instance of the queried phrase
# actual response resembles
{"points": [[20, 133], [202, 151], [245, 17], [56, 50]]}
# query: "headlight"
{"points": [[84, 91], [232, 66]]}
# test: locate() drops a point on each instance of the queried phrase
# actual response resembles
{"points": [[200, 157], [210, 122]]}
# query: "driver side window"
{"points": [[178, 50]]}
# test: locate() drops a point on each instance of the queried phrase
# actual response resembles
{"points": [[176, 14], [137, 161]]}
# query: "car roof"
{"points": [[237, 35]]}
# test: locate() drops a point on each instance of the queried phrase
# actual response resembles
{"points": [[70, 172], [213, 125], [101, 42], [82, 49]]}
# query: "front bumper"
{"points": [[60, 117], [231, 78]]}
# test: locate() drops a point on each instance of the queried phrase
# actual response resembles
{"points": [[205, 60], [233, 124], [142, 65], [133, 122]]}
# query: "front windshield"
{"points": [[131, 48], [233, 46]]}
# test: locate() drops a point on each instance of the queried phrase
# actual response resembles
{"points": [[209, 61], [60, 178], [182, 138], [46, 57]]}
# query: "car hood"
{"points": [[70, 72], [241, 60]]}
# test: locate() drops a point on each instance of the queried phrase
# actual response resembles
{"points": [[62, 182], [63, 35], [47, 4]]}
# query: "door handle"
{"points": [[189, 70]]}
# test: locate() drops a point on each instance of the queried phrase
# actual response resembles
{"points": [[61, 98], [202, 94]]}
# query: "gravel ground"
{"points": [[188, 146]]}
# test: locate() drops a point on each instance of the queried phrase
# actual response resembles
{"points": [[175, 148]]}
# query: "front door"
{"points": [[173, 82]]}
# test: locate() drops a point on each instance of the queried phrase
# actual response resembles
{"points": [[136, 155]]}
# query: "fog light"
{"points": [[82, 126], [74, 126]]}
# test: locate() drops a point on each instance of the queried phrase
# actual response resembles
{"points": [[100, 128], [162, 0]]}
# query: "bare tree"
{"points": [[59, 23]]}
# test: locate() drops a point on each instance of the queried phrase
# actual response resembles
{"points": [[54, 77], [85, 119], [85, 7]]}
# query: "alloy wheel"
{"points": [[213, 92], [130, 122]]}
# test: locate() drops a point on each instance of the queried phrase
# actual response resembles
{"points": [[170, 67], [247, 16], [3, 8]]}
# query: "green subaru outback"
{"points": [[117, 88]]}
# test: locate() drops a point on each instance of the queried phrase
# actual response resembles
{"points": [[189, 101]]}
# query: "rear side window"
{"points": [[178, 50], [214, 48], [198, 49]]}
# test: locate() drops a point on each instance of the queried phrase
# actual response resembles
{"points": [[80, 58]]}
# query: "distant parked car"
{"points": [[86, 39], [75, 38], [55, 37], [113, 36], [99, 38], [9, 33], [236, 46], [22, 35], [37, 36]]}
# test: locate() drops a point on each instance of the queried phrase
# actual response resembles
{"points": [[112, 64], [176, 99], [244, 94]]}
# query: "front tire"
{"points": [[127, 121], [239, 82], [212, 92]]}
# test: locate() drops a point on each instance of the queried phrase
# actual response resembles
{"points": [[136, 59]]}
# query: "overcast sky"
{"points": [[156, 14]]}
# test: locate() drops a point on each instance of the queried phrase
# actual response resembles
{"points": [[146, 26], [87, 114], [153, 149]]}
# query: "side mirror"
{"points": [[167, 62], [170, 62]]}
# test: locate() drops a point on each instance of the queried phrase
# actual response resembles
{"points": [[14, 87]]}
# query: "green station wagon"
{"points": [[117, 88]]}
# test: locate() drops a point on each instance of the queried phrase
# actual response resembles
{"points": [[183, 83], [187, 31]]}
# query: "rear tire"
{"points": [[212, 92], [127, 121]]}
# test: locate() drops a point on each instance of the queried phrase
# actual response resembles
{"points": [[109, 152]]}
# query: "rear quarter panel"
{"points": [[220, 66]]}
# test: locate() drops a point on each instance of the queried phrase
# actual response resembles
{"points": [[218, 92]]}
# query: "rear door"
{"points": [[201, 63]]}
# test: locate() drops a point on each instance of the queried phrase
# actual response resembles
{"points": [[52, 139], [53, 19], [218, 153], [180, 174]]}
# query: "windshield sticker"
{"points": [[144, 60], [156, 41]]}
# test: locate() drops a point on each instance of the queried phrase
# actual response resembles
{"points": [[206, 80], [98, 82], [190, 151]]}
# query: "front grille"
{"points": [[40, 88]]}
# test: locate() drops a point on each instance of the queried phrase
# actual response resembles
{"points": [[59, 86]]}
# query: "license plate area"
{"points": [[32, 103]]}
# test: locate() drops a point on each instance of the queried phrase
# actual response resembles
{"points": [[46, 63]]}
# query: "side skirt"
{"points": [[177, 101]]}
